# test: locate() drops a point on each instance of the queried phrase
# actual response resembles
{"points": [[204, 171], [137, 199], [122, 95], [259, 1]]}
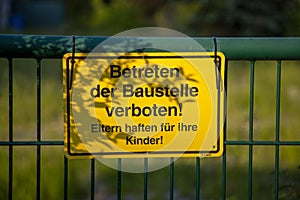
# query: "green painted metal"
{"points": [[172, 166], [251, 108], [250, 49], [38, 129], [119, 179], [10, 154], [43, 46], [145, 178], [278, 99], [92, 187], [224, 157], [66, 177]]}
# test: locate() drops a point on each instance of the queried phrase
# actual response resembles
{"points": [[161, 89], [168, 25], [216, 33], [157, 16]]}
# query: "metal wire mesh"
{"points": [[39, 143]]}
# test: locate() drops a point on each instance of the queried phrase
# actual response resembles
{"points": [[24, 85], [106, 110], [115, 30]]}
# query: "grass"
{"points": [[24, 170]]}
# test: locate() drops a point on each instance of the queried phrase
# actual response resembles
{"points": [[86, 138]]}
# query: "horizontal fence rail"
{"points": [[250, 50], [36, 46]]}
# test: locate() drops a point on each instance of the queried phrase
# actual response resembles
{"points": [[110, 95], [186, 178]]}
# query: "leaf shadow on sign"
{"points": [[97, 72]]}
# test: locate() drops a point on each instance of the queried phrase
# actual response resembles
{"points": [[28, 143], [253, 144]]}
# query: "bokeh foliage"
{"points": [[197, 18]]}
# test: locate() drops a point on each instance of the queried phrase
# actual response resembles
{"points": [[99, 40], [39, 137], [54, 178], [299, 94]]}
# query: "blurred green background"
{"points": [[194, 18]]}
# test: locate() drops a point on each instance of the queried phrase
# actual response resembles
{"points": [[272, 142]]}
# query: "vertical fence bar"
{"points": [[172, 179], [38, 128], [145, 178], [10, 100], [92, 179], [197, 178], [278, 93], [65, 178], [119, 181], [224, 136], [224, 177], [251, 108]]}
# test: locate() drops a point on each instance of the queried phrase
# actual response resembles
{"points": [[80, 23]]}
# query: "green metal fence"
{"points": [[248, 50]]}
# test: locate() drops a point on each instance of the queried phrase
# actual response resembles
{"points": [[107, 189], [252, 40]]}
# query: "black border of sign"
{"points": [[68, 88]]}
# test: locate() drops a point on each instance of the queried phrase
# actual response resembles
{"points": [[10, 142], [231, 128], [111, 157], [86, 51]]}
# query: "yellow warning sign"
{"points": [[143, 104]]}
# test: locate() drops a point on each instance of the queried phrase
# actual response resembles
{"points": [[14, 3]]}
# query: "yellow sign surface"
{"points": [[143, 104]]}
